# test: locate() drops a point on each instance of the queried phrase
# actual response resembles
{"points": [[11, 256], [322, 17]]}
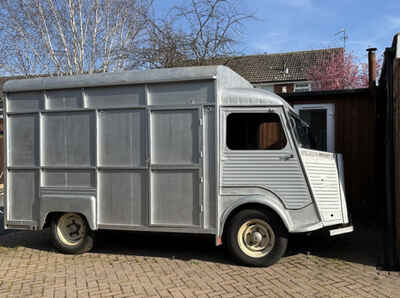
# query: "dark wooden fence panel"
{"points": [[396, 97], [389, 154], [1, 158], [1, 151]]}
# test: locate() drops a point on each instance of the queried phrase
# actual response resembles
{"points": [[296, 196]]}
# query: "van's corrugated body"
{"points": [[147, 151]]}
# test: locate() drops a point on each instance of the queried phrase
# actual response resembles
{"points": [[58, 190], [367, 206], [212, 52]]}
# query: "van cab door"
{"points": [[258, 155]]}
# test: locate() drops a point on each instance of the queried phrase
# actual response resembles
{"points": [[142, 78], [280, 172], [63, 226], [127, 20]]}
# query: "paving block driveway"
{"points": [[153, 265]]}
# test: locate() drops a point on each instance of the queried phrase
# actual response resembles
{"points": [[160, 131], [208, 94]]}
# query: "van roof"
{"points": [[162, 75], [235, 89], [252, 97]]}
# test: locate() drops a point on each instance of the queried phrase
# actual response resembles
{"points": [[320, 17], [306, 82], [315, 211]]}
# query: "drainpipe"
{"points": [[372, 68]]}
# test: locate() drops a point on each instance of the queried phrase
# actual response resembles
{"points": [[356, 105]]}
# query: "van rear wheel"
{"points": [[256, 238], [71, 233]]}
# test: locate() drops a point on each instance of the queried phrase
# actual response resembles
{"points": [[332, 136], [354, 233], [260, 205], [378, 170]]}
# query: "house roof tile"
{"points": [[266, 68]]}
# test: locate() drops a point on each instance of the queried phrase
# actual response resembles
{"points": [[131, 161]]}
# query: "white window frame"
{"points": [[303, 88], [330, 121], [269, 88]]}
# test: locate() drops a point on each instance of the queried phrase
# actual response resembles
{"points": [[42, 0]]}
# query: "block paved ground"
{"points": [[154, 265]]}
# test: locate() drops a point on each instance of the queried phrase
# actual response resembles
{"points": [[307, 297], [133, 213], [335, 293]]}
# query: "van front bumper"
{"points": [[341, 230]]}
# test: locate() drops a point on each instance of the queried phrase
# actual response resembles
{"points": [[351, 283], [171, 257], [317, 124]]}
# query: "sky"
{"points": [[295, 25]]}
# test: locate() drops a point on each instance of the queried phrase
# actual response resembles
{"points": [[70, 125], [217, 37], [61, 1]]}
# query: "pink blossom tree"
{"points": [[339, 71]]}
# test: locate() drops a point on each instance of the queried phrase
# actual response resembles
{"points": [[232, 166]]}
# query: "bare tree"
{"points": [[197, 30], [64, 37], [165, 45]]}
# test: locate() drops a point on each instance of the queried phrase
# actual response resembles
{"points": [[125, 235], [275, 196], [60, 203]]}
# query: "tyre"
{"points": [[256, 238], [71, 233]]}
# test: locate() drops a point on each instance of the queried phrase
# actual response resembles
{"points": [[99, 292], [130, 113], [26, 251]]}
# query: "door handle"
{"points": [[286, 157]]}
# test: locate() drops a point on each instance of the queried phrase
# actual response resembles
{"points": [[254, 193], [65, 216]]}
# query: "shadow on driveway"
{"points": [[361, 247]]}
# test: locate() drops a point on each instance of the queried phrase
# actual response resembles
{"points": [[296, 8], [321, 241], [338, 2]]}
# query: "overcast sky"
{"points": [[294, 25]]}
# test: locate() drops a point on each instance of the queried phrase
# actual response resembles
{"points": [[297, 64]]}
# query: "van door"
{"points": [[258, 153], [176, 141]]}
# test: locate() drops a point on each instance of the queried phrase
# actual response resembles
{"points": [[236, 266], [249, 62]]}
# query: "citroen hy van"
{"points": [[186, 150]]}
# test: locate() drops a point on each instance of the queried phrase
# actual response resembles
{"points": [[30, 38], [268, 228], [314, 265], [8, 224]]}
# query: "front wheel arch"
{"points": [[287, 224], [269, 243]]}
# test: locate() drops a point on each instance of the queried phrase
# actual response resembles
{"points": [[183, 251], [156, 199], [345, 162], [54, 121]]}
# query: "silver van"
{"points": [[186, 150]]}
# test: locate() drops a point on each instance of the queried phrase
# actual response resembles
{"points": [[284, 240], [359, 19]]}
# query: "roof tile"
{"points": [[266, 68]]}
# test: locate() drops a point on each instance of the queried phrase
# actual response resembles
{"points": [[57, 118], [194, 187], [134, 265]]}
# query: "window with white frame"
{"points": [[321, 118], [266, 87], [302, 87]]}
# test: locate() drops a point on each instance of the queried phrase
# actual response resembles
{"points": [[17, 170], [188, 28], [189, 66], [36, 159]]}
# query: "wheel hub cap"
{"points": [[70, 229], [256, 238], [74, 229]]}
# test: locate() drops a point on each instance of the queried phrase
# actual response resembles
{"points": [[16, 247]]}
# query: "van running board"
{"points": [[342, 230]]}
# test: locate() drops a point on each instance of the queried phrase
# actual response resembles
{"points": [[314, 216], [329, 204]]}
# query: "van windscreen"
{"points": [[302, 132]]}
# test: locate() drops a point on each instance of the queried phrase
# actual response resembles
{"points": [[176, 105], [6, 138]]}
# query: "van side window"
{"points": [[254, 131]]}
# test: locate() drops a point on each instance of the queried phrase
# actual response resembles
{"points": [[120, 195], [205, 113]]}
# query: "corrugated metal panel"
{"points": [[122, 138], [175, 136], [111, 97], [23, 148], [68, 178], [323, 175], [182, 93], [266, 169], [175, 198], [68, 139], [25, 101], [62, 99], [123, 197], [22, 194]]}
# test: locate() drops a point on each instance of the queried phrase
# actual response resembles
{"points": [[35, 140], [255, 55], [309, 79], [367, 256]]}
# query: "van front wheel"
{"points": [[256, 238], [71, 233]]}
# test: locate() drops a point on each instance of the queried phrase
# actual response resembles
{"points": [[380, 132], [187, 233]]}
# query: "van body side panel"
{"points": [[22, 160], [296, 221], [133, 157]]}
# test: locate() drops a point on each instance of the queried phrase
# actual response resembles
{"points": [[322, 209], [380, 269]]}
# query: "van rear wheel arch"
{"points": [[55, 214]]}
